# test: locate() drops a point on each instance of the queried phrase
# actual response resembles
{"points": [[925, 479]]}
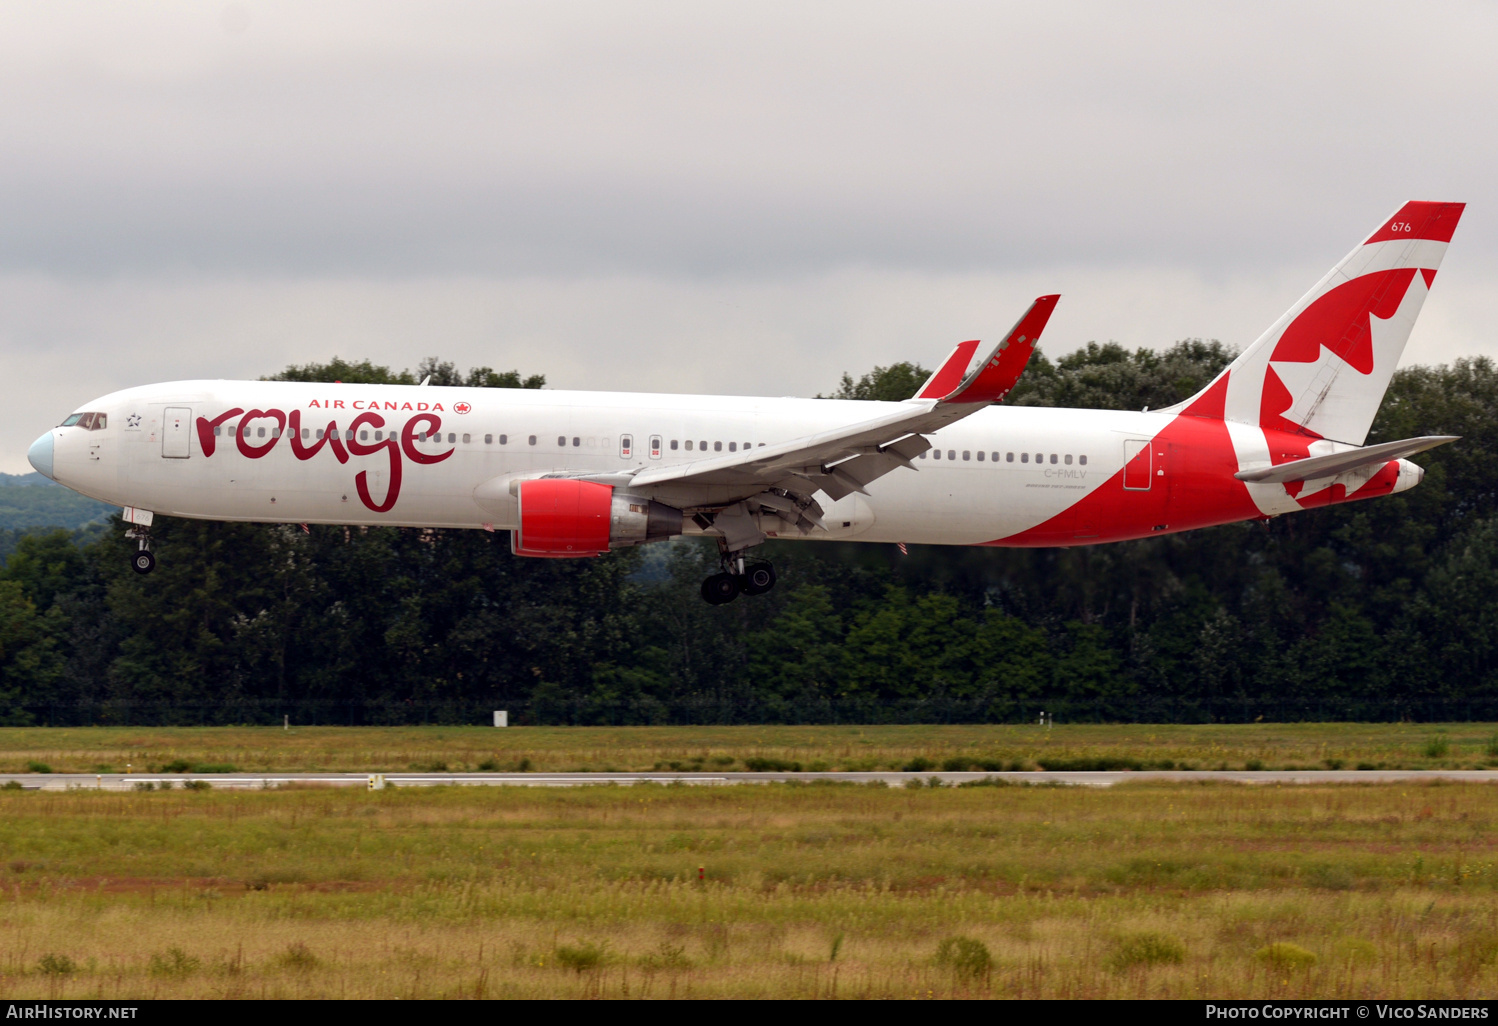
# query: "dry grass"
{"points": [[727, 749], [1139, 891]]}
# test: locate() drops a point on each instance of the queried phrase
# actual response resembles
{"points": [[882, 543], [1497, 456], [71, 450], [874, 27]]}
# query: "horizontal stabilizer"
{"points": [[1342, 462]]}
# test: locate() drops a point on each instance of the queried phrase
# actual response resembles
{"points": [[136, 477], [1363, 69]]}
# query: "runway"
{"points": [[268, 781]]}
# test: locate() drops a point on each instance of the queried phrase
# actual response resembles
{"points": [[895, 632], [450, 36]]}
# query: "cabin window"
{"points": [[1068, 459], [1082, 460], [466, 439], [733, 446], [576, 442], [717, 447], [996, 457], [217, 431], [1009, 457], [936, 454], [488, 439], [421, 437], [562, 441], [951, 454], [260, 433], [452, 436], [363, 436], [746, 445], [923, 455], [673, 445], [967, 454], [308, 431], [319, 431], [1040, 457], [1024, 457], [504, 439], [702, 445], [980, 455], [1053, 459], [689, 445], [533, 440]]}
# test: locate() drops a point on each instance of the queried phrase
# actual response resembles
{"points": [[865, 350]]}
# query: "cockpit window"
{"points": [[75, 418], [87, 421]]}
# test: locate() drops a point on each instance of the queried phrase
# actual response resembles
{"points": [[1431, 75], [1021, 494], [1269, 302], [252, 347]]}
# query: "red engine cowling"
{"points": [[562, 518]]}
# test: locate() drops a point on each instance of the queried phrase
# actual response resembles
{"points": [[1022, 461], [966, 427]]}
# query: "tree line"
{"points": [[1377, 610]]}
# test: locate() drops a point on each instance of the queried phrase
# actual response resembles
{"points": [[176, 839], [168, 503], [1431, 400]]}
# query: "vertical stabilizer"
{"points": [[1321, 370]]}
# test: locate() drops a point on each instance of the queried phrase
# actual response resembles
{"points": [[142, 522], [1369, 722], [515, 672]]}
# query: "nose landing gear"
{"points": [[142, 560], [753, 577]]}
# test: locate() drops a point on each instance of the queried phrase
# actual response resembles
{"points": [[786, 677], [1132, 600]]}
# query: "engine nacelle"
{"points": [[563, 518]]}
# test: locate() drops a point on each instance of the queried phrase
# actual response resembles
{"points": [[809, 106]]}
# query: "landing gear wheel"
{"points": [[143, 562], [720, 589], [758, 578]]}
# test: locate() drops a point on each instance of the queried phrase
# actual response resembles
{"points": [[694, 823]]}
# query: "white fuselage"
{"points": [[1000, 471]]}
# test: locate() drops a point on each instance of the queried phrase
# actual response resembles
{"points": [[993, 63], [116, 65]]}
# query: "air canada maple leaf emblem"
{"points": [[461, 407]]}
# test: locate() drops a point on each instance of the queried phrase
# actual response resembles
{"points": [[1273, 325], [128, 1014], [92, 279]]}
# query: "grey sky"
{"points": [[737, 198]]}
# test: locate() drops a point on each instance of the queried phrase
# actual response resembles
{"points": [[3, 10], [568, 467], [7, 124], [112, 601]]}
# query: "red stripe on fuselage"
{"points": [[1192, 463]]}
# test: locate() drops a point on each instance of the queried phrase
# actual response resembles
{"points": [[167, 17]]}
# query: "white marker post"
{"points": [[501, 717]]}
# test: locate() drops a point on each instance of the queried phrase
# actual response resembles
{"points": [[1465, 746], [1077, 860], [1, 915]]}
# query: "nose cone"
{"points": [[40, 455]]}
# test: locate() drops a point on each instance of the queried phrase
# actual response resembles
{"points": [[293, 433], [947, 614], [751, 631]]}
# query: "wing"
{"points": [[847, 459], [951, 372]]}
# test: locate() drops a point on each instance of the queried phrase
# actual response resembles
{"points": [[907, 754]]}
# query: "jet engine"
{"points": [[562, 518]]}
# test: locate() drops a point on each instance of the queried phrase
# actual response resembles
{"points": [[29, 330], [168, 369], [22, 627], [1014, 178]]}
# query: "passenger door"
{"points": [[176, 433]]}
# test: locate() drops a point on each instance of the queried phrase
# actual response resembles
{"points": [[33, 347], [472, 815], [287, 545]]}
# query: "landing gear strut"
{"points": [[739, 576], [142, 560]]}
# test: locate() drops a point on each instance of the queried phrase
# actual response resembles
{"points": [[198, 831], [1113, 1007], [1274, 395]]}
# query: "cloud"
{"points": [[681, 196]]}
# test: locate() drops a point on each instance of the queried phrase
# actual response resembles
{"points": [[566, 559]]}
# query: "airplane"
{"points": [[574, 474]]}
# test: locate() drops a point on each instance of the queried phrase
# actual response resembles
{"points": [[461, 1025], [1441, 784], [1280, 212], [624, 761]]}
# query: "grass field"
{"points": [[1143, 890], [726, 749]]}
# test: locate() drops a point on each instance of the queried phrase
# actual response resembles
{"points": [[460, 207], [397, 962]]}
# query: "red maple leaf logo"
{"points": [[461, 407]]}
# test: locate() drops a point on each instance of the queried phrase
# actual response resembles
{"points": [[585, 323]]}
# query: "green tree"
{"points": [[29, 664], [897, 382], [338, 369], [1109, 377], [799, 656], [440, 372]]}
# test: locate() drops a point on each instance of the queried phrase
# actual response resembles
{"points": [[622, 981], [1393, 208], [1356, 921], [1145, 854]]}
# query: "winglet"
{"points": [[949, 375], [992, 380]]}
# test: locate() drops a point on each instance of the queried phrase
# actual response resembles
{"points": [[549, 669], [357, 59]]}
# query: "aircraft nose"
{"points": [[40, 455]]}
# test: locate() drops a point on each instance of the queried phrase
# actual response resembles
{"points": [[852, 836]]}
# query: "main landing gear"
{"points": [[142, 560], [739, 576]]}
